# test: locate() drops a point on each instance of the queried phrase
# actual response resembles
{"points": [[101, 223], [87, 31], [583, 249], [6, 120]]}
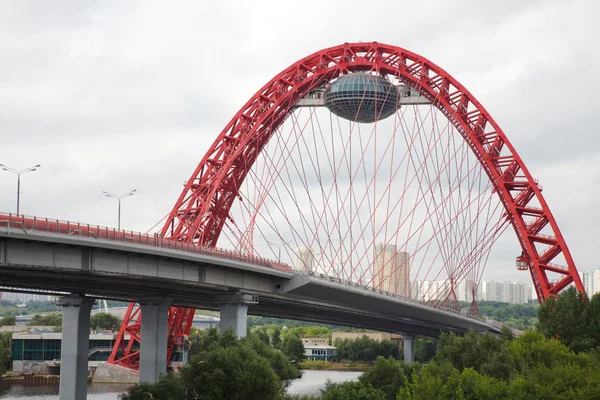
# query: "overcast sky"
{"points": [[117, 95]]}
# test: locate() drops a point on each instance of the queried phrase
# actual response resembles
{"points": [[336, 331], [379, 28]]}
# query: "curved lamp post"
{"points": [[18, 173]]}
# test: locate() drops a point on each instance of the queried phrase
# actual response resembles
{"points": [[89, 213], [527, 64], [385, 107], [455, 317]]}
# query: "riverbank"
{"points": [[331, 366]]}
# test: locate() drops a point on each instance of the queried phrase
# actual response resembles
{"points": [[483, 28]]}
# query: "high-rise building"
{"points": [[591, 281], [305, 260], [431, 290], [467, 289], [391, 270], [508, 292]]}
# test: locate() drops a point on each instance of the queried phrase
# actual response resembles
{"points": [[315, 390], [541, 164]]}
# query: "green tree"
{"points": [[485, 353], [365, 349], [424, 350], [351, 391], [5, 351], [278, 361], [10, 320], [292, 346], [262, 334], [385, 375], [232, 373], [572, 319], [54, 319], [104, 321], [276, 338], [169, 387]]}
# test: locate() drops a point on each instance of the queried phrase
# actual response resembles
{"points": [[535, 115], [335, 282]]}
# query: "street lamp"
{"points": [[18, 174], [279, 247], [119, 198]]}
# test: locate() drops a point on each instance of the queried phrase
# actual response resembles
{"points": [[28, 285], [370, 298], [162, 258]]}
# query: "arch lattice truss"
{"points": [[203, 213]]}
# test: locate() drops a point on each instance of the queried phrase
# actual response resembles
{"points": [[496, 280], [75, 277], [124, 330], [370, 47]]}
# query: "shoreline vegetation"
{"points": [[313, 365]]}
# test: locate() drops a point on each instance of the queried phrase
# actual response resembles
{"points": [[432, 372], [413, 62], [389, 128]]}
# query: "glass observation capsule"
{"points": [[362, 97]]}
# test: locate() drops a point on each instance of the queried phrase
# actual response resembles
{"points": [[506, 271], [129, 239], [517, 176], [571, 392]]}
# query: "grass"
{"points": [[332, 366]]}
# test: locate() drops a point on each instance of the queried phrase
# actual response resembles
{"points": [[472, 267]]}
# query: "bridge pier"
{"points": [[234, 312], [409, 349], [153, 343], [75, 346]]}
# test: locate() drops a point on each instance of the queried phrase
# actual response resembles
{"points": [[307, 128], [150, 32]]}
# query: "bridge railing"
{"points": [[28, 224], [385, 293]]}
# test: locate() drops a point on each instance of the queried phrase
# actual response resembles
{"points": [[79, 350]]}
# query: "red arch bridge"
{"points": [[374, 178]]}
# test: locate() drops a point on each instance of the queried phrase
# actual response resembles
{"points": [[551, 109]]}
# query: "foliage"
{"points": [[485, 353], [54, 319], [573, 319], [9, 308], [209, 338], [518, 316], [276, 337], [287, 323], [5, 351], [262, 335], [311, 330], [365, 349], [386, 375], [292, 346], [329, 365], [34, 306], [169, 387], [225, 367], [351, 391], [235, 372], [8, 321], [442, 381], [277, 360], [424, 350], [104, 321]]}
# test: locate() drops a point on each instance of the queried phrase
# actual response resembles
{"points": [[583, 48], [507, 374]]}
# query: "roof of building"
{"points": [[321, 347]]}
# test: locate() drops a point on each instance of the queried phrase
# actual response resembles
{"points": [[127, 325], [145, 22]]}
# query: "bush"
{"points": [[10, 320], [233, 373], [169, 387], [385, 375], [351, 391]]}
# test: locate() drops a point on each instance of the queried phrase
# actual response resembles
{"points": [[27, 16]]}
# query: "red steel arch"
{"points": [[203, 206]]}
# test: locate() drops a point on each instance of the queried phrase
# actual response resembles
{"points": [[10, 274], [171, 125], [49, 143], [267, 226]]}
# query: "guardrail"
{"points": [[67, 228], [385, 293]]}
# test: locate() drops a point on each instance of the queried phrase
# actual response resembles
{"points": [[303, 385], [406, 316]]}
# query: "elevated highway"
{"points": [[73, 258]]}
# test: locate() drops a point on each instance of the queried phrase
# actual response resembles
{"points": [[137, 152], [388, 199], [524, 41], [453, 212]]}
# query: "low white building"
{"points": [[320, 352]]}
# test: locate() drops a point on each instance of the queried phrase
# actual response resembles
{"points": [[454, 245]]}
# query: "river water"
{"points": [[310, 383]]}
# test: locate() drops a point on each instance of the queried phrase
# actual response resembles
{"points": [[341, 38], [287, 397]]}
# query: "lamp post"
{"points": [[279, 247], [18, 174], [119, 198]]}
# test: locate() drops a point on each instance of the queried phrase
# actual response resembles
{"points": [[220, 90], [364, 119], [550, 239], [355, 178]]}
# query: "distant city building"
{"points": [[24, 297], [501, 291], [431, 290], [591, 281], [467, 288], [508, 292], [391, 270], [305, 260]]}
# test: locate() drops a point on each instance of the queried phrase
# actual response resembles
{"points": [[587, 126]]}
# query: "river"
{"points": [[310, 383]]}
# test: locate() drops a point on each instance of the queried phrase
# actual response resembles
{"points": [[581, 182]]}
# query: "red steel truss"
{"points": [[201, 210]]}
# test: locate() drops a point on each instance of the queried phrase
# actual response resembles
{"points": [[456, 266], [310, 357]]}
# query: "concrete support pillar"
{"points": [[409, 349], [154, 332], [74, 346], [234, 312]]}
